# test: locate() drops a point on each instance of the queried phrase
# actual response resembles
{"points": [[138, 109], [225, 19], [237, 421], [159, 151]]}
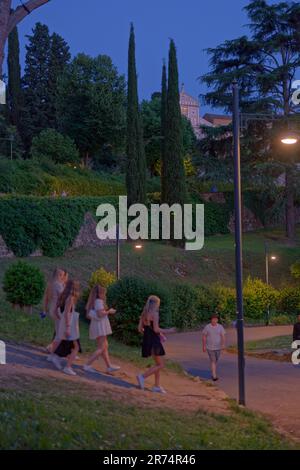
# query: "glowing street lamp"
{"points": [[291, 138]]}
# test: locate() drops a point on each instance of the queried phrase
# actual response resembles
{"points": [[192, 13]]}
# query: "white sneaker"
{"points": [[56, 361], [113, 369], [69, 371], [158, 390], [49, 358], [90, 369], [141, 381]]}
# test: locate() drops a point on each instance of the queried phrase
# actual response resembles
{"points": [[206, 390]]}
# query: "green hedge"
{"points": [[289, 301], [192, 306], [28, 223], [188, 307], [51, 224], [129, 296]]}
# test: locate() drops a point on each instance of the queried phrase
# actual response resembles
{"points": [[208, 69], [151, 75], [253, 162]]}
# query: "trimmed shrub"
{"points": [[258, 297], [295, 270], [192, 306], [289, 301], [129, 296], [185, 307], [208, 303], [226, 302], [102, 277], [23, 284]]}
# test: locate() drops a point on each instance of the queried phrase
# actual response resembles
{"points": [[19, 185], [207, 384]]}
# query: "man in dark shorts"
{"points": [[213, 341]]}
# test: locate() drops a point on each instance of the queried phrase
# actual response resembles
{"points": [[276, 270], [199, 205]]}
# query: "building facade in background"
{"points": [[190, 108]]}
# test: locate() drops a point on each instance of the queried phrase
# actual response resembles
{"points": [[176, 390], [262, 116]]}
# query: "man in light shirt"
{"points": [[213, 341]]}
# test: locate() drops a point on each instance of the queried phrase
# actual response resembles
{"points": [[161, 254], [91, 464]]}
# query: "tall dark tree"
{"points": [[265, 66], [91, 105], [46, 58], [150, 111], [136, 159], [36, 84], [14, 78], [154, 118], [11, 17], [59, 57], [174, 183], [163, 117]]}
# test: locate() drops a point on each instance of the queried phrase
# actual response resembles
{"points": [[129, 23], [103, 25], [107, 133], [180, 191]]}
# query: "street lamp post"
{"points": [[118, 250], [267, 280], [138, 246], [238, 243], [290, 138], [267, 262]]}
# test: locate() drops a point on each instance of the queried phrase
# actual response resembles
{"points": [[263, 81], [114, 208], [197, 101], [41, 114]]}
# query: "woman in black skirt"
{"points": [[69, 342], [153, 336]]}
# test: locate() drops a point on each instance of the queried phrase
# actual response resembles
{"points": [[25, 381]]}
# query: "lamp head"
{"points": [[290, 138]]}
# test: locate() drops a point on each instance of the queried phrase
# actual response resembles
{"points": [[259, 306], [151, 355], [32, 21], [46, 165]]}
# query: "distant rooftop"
{"points": [[218, 118]]}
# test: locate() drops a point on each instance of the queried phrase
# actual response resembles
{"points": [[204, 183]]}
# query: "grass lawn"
{"points": [[167, 264], [274, 349], [48, 414], [51, 414], [279, 342]]}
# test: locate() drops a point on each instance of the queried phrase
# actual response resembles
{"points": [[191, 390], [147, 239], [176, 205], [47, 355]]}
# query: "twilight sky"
{"points": [[102, 27]]}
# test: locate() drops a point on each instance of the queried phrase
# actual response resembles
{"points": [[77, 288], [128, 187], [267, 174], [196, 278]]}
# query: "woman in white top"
{"points": [[54, 289], [100, 328], [68, 333]]}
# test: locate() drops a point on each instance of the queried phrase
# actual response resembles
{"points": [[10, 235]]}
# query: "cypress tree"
{"points": [[136, 159], [14, 78], [59, 57], [163, 115], [174, 183]]}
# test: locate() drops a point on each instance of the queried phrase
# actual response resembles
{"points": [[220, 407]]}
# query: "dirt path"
{"points": [[184, 393]]}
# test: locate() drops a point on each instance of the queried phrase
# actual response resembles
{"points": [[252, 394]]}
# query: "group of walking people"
{"points": [[60, 301]]}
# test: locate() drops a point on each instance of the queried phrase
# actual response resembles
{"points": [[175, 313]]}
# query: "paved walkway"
{"points": [[271, 387]]}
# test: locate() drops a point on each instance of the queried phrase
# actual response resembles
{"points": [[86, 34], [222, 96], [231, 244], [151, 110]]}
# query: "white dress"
{"points": [[99, 326]]}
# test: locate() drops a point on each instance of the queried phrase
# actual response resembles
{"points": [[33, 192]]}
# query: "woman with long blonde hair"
{"points": [[54, 289], [153, 336], [68, 335], [98, 313]]}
